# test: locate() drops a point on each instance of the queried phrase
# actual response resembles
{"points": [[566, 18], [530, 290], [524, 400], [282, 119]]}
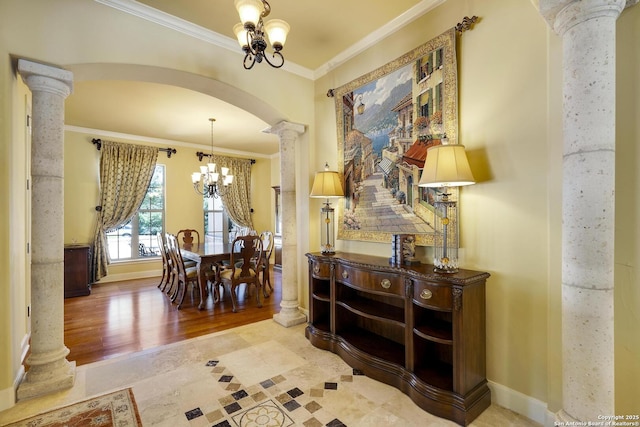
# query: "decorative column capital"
{"points": [[40, 77], [561, 15], [286, 129]]}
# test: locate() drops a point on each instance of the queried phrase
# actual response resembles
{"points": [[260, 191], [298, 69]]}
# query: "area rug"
{"points": [[116, 409]]}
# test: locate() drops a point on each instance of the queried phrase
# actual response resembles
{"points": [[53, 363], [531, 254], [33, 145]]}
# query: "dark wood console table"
{"points": [[419, 331]]}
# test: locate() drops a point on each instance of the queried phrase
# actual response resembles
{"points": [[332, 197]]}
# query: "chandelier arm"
{"points": [[196, 187], [249, 59], [274, 64], [267, 9]]}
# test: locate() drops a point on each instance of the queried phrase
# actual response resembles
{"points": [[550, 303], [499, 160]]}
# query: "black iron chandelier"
{"points": [[251, 31]]}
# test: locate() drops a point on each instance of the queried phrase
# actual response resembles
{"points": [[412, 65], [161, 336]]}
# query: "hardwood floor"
{"points": [[126, 317]]}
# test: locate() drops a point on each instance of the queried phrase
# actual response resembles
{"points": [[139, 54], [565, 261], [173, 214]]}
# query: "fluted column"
{"points": [[290, 313], [49, 369], [588, 31]]}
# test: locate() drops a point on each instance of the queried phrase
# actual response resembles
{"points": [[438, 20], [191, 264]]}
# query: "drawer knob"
{"points": [[316, 268], [426, 294], [345, 275], [386, 283]]}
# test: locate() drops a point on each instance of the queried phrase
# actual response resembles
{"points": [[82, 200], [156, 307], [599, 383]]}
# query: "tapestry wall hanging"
{"points": [[386, 121]]}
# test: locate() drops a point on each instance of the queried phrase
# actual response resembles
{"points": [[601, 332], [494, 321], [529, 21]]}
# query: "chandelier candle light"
{"points": [[206, 182], [446, 166], [250, 33], [327, 185]]}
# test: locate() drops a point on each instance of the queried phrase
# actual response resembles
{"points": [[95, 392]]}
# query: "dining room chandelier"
{"points": [[251, 31], [208, 182]]}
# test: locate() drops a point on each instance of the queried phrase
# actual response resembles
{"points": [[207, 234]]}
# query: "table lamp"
{"points": [[327, 185], [446, 166]]}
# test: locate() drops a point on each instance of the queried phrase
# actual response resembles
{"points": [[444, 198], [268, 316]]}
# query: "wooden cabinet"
{"points": [[77, 259], [409, 327]]}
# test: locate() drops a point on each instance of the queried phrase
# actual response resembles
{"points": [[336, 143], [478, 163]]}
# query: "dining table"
{"points": [[206, 255]]}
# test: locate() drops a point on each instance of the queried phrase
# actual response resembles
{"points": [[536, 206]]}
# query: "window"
{"points": [[218, 227], [216, 222], [137, 238]]}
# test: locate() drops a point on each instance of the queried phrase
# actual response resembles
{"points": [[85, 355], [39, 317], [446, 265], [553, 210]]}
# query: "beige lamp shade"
{"points": [[326, 185], [277, 31], [249, 11], [446, 166], [241, 34]]}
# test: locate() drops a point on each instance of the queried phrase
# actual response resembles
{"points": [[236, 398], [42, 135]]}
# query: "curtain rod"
{"points": [[98, 143], [201, 155], [465, 25]]}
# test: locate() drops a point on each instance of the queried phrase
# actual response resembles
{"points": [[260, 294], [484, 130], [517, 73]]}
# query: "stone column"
{"points": [[49, 370], [290, 313], [588, 31]]}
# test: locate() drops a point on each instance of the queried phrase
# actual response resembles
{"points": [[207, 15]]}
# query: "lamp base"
{"points": [[328, 251]]}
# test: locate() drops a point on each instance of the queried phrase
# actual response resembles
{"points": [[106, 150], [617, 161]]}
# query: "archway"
{"points": [[183, 79]]}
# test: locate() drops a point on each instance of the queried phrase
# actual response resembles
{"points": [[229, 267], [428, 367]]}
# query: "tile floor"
{"points": [[256, 375]]}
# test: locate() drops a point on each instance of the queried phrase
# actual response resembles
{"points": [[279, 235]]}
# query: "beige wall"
{"points": [[510, 121], [7, 347], [14, 319]]}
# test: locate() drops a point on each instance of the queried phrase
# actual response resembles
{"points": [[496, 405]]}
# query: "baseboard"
{"points": [[129, 276], [8, 395], [515, 401]]}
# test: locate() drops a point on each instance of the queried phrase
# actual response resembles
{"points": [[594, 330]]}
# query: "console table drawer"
{"points": [[429, 294], [370, 280], [320, 270]]}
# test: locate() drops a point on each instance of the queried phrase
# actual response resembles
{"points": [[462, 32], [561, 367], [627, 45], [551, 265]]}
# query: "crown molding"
{"points": [[150, 14], [375, 37]]}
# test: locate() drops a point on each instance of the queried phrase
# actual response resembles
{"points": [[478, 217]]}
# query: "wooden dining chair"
{"points": [[166, 272], [185, 275], [266, 237], [187, 236], [241, 269], [172, 266], [224, 265]]}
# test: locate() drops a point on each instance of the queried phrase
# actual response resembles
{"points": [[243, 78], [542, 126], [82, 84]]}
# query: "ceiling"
{"points": [[322, 33]]}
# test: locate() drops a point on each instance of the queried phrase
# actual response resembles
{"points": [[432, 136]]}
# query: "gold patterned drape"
{"points": [[237, 199], [125, 174]]}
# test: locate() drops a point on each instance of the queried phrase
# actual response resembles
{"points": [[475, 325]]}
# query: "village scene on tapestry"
{"points": [[388, 124]]}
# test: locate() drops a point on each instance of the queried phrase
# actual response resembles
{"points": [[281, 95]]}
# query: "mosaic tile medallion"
{"points": [[266, 414]]}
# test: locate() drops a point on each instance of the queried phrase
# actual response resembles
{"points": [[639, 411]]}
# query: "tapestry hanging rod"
{"points": [[461, 27], [466, 24], [98, 143], [202, 155]]}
